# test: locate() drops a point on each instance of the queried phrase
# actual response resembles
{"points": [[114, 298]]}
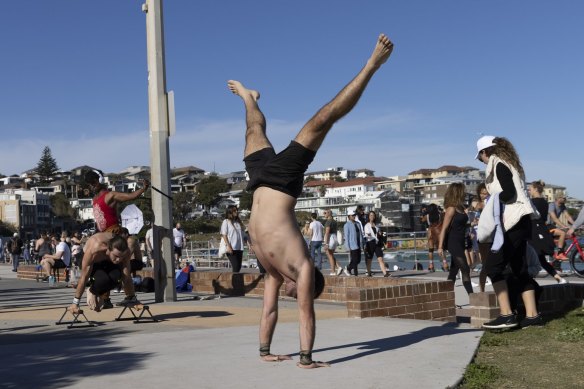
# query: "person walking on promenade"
{"points": [[453, 234], [179, 241], [232, 235], [106, 263], [331, 243], [353, 242], [316, 237], [277, 180], [306, 233], [374, 244], [105, 202], [505, 178], [483, 247], [15, 249], [434, 220], [542, 206]]}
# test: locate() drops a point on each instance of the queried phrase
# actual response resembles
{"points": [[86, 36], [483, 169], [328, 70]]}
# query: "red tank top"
{"points": [[104, 215]]}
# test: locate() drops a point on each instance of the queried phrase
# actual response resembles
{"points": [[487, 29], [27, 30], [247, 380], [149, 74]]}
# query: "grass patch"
{"points": [[571, 335], [479, 376], [539, 357]]}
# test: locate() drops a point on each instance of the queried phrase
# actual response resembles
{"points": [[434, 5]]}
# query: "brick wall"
{"points": [[554, 299], [364, 297]]}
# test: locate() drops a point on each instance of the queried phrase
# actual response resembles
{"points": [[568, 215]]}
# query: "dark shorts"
{"points": [[59, 264], [104, 277], [373, 249], [283, 172], [178, 251]]}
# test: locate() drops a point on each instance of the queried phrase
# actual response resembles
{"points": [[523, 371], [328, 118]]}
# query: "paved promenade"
{"points": [[214, 344]]}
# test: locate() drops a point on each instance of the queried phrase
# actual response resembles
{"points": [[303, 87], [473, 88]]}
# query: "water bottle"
{"points": [[51, 281]]}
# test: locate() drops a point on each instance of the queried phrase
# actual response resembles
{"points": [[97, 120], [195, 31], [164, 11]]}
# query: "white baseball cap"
{"points": [[483, 143]]}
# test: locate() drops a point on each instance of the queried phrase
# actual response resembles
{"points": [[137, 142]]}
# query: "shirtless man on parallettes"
{"points": [[277, 180]]}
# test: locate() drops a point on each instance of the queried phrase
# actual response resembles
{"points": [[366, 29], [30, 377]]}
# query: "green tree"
{"points": [[208, 190], [61, 206], [182, 205], [6, 229], [47, 165]]}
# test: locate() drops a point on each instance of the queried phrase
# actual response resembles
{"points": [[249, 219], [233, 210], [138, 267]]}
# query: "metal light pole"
{"points": [[159, 153]]}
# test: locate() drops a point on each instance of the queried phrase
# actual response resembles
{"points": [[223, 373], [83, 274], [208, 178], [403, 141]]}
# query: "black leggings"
{"points": [[105, 277], [513, 253], [236, 258], [546, 265], [459, 263]]}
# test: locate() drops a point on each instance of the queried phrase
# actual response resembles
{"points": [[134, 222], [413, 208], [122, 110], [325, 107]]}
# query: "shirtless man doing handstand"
{"points": [[106, 262], [277, 180]]}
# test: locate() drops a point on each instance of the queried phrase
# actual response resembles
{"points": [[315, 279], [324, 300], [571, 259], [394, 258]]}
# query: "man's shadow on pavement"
{"points": [[376, 346]]}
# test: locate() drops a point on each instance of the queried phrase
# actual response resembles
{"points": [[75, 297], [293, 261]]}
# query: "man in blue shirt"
{"points": [[353, 241]]}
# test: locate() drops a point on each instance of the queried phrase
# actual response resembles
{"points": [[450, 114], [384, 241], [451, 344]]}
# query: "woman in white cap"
{"points": [[505, 178]]}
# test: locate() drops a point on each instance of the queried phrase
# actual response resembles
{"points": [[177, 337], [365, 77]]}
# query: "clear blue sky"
{"points": [[73, 77]]}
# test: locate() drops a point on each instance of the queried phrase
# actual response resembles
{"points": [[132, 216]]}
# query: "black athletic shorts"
{"points": [[105, 276], [283, 172], [59, 264]]}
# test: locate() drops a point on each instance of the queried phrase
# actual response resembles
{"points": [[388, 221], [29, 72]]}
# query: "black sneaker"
{"points": [[532, 322], [502, 322], [128, 302], [107, 304]]}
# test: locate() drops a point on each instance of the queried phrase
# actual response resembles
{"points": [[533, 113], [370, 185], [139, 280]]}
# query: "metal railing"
{"points": [[205, 254]]}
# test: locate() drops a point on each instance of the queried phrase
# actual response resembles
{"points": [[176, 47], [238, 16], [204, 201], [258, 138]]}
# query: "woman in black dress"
{"points": [[453, 234]]}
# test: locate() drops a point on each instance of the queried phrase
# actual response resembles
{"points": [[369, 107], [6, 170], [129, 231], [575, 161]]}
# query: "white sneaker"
{"points": [[339, 270], [348, 274], [488, 282], [563, 281], [332, 274]]}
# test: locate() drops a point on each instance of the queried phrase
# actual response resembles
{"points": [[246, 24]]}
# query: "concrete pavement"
{"points": [[214, 344]]}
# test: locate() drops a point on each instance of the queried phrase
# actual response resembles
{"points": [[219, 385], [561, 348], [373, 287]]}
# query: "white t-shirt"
{"points": [[64, 248], [179, 237], [317, 231], [149, 238], [234, 234]]}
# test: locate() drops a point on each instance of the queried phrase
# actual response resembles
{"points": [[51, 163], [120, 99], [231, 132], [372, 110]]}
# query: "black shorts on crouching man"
{"points": [[104, 277], [283, 172]]}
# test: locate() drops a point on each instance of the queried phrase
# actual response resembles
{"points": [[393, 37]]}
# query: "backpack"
{"points": [[147, 285], [15, 246]]}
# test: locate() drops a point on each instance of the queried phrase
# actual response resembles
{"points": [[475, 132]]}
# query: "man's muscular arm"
{"points": [[305, 296], [86, 266], [270, 318], [127, 275]]}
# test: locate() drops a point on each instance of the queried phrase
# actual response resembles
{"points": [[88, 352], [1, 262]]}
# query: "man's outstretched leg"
{"points": [[313, 133], [255, 134]]}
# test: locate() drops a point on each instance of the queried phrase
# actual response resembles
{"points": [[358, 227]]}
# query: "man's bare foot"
{"points": [[382, 51], [237, 88], [276, 358], [313, 365]]}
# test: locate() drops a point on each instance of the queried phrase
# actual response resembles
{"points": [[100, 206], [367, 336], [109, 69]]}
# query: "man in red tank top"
{"points": [[105, 202]]}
